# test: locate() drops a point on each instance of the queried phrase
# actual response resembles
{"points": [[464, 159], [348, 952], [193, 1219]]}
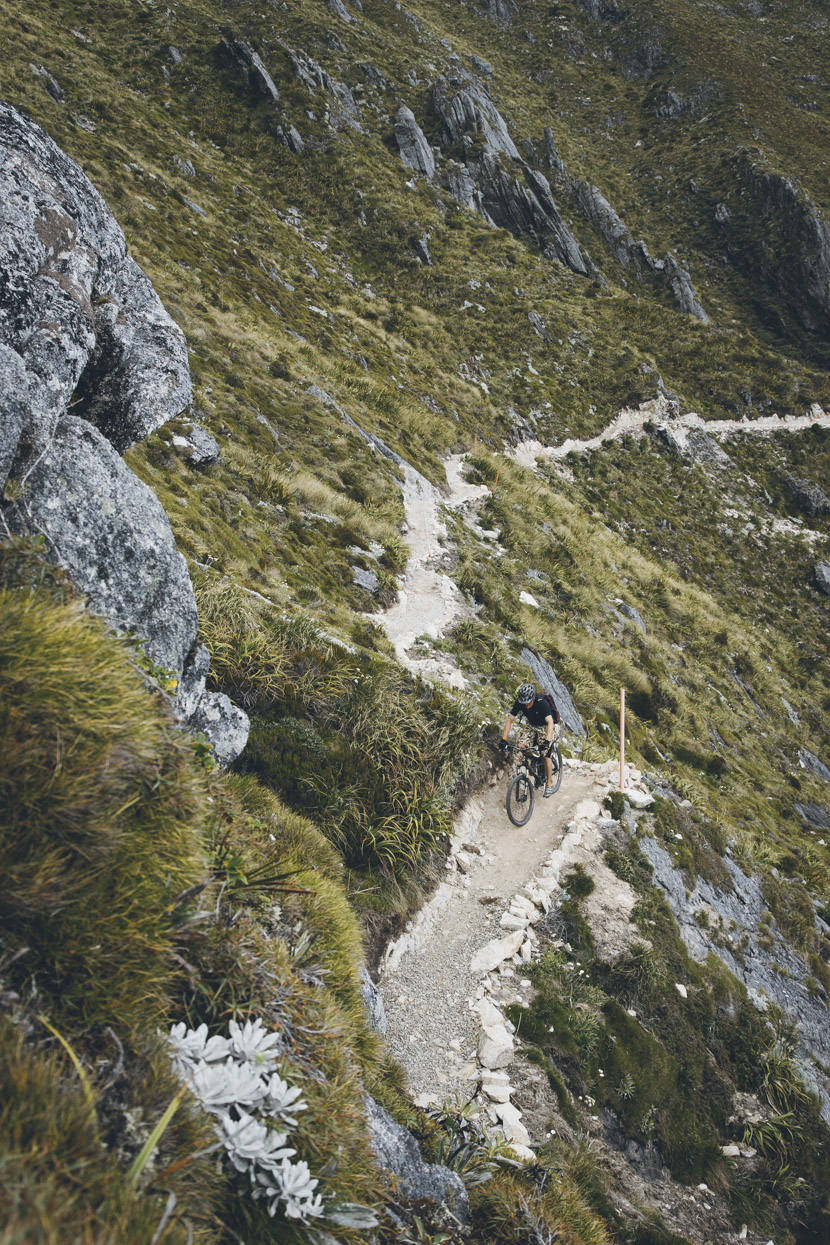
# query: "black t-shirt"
{"points": [[537, 713]]}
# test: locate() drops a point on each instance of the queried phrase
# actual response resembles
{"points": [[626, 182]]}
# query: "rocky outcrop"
{"points": [[238, 54], [543, 674], [809, 497], [634, 256], [502, 13], [820, 577], [397, 1152], [414, 149], [493, 179], [80, 324], [781, 242], [775, 975], [76, 309]]}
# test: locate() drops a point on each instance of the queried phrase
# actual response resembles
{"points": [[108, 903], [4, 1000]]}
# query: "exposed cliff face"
{"points": [[90, 362], [778, 228]]}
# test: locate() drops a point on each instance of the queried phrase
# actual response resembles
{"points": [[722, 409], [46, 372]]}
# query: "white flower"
{"points": [[293, 1185], [253, 1043], [222, 1085], [281, 1100], [250, 1144], [193, 1046]]}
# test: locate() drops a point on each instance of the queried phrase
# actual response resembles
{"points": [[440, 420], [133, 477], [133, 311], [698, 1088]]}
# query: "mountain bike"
{"points": [[521, 793]]}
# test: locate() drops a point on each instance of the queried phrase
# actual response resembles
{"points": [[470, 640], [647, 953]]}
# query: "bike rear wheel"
{"points": [[520, 798], [556, 761]]}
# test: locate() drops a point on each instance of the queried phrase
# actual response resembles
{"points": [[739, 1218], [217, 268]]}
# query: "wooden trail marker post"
{"points": [[622, 739]]}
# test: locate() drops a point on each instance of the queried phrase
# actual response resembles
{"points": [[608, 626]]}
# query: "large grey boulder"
{"points": [[109, 530], [74, 306], [543, 674], [414, 149], [397, 1152], [809, 761]]}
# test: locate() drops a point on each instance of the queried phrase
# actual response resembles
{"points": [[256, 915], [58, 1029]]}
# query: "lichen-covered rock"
{"points": [[397, 1152], [109, 530], [414, 149], [14, 390], [224, 726], [74, 306]]}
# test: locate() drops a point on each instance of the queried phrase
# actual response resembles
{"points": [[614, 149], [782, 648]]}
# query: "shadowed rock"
{"points": [[810, 499], [240, 55], [397, 1152], [820, 577]]}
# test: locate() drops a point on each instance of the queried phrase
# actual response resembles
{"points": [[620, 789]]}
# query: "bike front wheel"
{"points": [[556, 762], [520, 797]]}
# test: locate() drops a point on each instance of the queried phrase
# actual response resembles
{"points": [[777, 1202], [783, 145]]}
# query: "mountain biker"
{"points": [[538, 709]]}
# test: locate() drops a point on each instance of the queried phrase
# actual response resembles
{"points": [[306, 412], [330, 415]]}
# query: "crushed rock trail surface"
{"points": [[426, 981], [428, 600], [631, 423]]}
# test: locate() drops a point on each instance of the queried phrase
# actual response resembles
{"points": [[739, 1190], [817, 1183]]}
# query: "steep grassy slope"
{"points": [[297, 279]]}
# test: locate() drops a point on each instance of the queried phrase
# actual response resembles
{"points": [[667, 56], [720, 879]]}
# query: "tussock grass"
{"points": [[101, 805]]}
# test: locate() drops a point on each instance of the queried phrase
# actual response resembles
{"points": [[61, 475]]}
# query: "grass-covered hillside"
{"points": [[328, 291]]}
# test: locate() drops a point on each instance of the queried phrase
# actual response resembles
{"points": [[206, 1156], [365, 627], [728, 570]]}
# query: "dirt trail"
{"points": [[631, 423], [426, 982], [429, 602]]}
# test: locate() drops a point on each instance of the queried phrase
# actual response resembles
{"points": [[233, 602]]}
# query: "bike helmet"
{"points": [[525, 694]]}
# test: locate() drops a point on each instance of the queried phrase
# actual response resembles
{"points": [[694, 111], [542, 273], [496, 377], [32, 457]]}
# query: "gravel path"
{"points": [[631, 423], [426, 983]]}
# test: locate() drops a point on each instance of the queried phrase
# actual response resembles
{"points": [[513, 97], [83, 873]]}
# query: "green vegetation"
{"points": [[138, 887]]}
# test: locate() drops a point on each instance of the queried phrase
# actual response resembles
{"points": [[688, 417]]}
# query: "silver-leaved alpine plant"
{"points": [[235, 1079]]}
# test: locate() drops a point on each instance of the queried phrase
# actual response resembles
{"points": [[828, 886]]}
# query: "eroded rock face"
{"points": [[397, 1152], [494, 180], [416, 152], [79, 312], [788, 242]]}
